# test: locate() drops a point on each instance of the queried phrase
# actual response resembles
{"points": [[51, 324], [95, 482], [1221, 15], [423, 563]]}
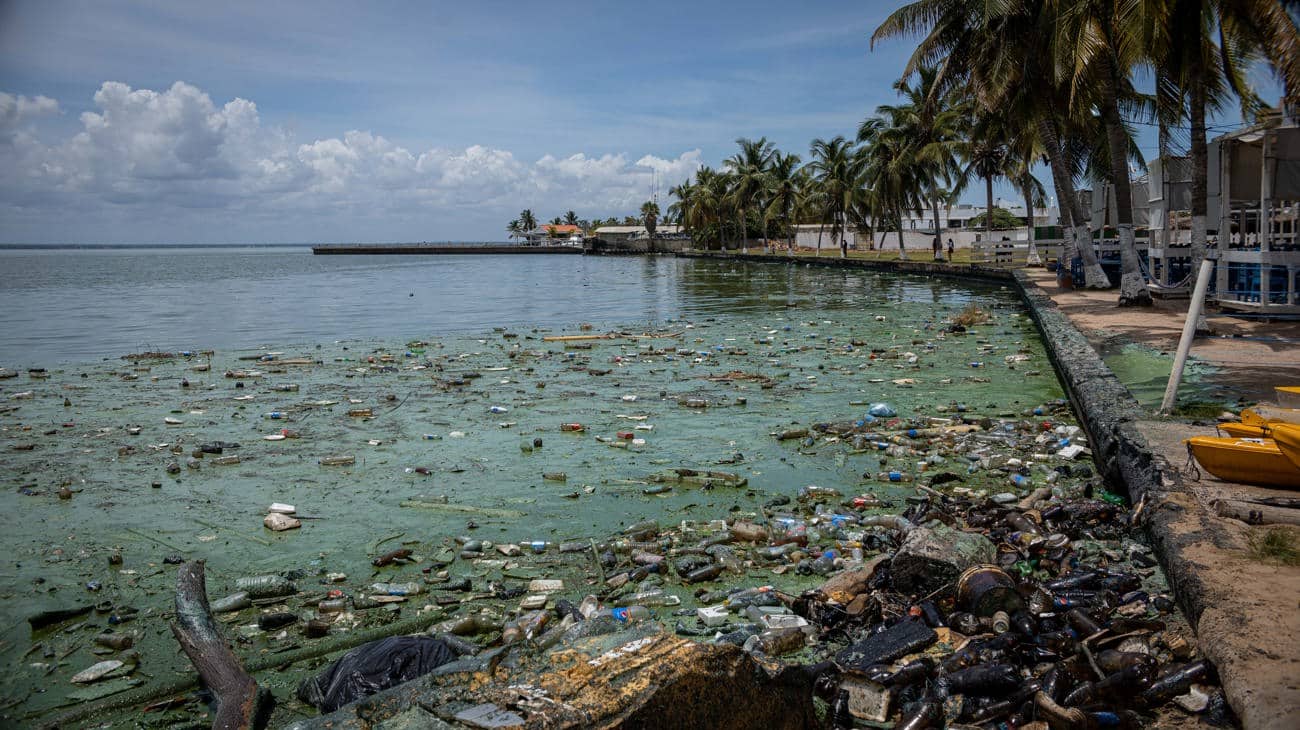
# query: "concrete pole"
{"points": [[1189, 332]]}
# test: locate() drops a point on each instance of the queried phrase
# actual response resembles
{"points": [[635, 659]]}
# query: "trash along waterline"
{"points": [[455, 437]]}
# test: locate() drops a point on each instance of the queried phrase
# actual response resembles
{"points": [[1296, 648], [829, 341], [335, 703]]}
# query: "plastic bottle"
{"points": [[233, 602], [266, 586], [1175, 683], [894, 476], [628, 614], [825, 563], [537, 546], [397, 589], [275, 415]]}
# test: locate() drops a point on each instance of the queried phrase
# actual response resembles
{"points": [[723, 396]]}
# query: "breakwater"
{"points": [[337, 249]]}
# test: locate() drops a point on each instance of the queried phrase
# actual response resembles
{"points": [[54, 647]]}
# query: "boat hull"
{"points": [[1287, 437], [1245, 430], [1245, 461]]}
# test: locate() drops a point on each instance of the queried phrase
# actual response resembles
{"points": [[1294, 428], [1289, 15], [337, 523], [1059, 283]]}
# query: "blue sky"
{"points": [[393, 121]]}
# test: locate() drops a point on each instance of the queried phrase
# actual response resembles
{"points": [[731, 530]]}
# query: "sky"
{"points": [[256, 122]]}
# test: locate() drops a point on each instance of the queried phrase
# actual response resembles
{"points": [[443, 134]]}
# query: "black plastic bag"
{"points": [[372, 668]]}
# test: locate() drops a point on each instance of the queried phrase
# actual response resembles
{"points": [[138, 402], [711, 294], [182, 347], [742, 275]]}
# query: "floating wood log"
{"points": [[241, 704]]}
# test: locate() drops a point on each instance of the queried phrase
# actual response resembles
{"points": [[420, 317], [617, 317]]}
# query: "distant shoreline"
{"points": [[76, 246]]}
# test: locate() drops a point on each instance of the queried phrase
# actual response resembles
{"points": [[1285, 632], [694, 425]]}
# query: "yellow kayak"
{"points": [[1287, 437], [1246, 430], [1288, 396], [1245, 461], [1264, 414]]}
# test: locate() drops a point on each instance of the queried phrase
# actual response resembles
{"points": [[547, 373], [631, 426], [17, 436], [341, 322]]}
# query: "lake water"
{"points": [[74, 305], [448, 355]]}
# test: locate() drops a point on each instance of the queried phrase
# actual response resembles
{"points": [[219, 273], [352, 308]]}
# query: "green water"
{"points": [[803, 344], [1145, 372]]}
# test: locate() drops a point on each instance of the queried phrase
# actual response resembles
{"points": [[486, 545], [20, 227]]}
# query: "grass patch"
{"points": [[1275, 545], [1199, 409]]}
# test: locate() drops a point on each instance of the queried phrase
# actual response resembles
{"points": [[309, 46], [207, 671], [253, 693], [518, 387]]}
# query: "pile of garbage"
{"points": [[957, 611]]}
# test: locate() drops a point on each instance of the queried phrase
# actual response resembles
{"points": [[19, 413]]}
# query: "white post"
{"points": [[1189, 332]]}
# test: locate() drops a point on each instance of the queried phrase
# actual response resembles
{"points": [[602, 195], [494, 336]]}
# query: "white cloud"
{"points": [[165, 153]]}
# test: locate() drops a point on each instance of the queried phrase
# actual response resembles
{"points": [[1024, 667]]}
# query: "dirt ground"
{"points": [[1251, 628]]}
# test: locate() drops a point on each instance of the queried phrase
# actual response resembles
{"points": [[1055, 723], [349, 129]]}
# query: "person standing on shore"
{"points": [[950, 249]]}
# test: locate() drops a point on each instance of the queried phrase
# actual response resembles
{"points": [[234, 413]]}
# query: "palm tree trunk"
{"points": [[820, 229], [988, 208], [1200, 179], [1028, 191], [1133, 291], [766, 247], [902, 250], [1078, 240], [744, 240], [934, 207]]}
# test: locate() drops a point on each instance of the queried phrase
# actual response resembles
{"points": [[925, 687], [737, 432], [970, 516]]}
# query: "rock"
{"points": [[931, 557], [280, 522]]}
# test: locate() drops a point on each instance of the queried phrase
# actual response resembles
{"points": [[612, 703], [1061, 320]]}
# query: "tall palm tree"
{"points": [[931, 124], [838, 174], [892, 178], [987, 157], [749, 178], [1095, 52], [783, 194], [512, 228], [571, 218]]}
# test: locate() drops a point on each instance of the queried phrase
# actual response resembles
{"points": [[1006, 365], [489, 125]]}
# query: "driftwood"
{"points": [[240, 703], [1256, 514]]}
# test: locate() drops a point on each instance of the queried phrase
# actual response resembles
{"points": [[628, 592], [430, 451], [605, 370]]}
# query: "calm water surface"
{"points": [[76, 305]]}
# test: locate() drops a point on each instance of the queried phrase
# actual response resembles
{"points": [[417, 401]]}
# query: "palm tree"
{"points": [[650, 216], [987, 156], [890, 174], [570, 218], [512, 228], [1095, 53], [930, 124], [783, 193], [1002, 53], [527, 221], [837, 172], [1204, 48], [749, 178]]}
